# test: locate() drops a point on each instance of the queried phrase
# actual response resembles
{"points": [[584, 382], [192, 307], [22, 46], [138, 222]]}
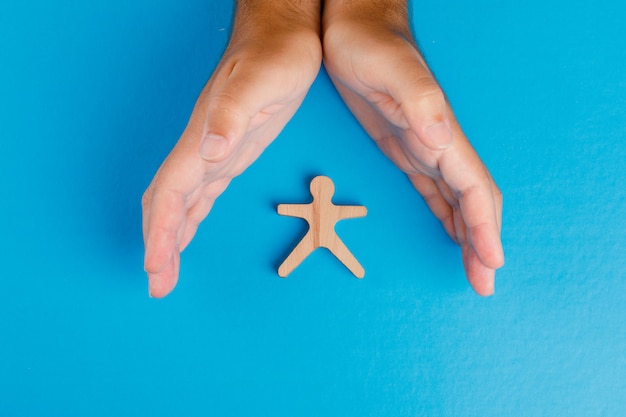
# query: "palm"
{"points": [[253, 93], [387, 85]]}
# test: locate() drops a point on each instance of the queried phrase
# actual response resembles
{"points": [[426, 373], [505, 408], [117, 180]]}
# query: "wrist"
{"points": [[266, 16], [392, 14]]}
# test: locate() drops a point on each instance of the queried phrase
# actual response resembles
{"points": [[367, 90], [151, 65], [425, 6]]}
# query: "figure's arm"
{"points": [[373, 60], [350, 212], [302, 211], [272, 58]]}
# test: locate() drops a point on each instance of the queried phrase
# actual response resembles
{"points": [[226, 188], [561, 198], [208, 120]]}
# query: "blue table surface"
{"points": [[93, 95]]}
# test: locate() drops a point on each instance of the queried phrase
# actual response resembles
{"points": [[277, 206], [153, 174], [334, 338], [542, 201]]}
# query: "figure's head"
{"points": [[322, 183]]}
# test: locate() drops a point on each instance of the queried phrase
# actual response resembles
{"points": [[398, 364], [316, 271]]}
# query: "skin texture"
{"points": [[273, 56], [375, 65]]}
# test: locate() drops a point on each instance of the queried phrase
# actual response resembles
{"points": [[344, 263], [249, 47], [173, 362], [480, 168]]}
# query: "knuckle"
{"points": [[430, 93], [425, 99], [224, 102], [145, 198], [497, 194]]}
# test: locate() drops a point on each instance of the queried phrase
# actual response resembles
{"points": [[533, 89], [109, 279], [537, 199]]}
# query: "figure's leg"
{"points": [[297, 255], [341, 251]]}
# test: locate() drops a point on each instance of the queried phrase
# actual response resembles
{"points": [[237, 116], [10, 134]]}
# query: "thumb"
{"points": [[225, 123], [231, 106], [423, 103], [213, 147]]}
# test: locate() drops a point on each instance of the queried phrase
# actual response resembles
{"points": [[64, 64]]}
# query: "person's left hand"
{"points": [[384, 80]]}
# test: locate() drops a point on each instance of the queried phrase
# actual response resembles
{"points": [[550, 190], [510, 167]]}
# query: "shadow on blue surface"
{"points": [[95, 94], [138, 114]]}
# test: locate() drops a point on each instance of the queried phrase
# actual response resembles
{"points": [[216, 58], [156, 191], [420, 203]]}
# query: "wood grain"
{"points": [[322, 215]]}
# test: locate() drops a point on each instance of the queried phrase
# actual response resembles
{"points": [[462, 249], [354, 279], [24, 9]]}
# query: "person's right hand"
{"points": [[273, 57]]}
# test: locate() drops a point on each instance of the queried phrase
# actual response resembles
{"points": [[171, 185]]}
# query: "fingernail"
{"points": [[439, 135], [213, 147]]}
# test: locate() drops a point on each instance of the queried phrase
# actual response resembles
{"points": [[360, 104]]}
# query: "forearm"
{"points": [[392, 13], [270, 15]]}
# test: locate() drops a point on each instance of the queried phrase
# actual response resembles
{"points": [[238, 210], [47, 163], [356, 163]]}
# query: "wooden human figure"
{"points": [[321, 214]]}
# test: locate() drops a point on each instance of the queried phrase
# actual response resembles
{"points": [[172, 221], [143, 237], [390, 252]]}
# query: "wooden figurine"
{"points": [[321, 214]]}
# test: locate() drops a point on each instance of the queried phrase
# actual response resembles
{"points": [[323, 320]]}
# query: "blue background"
{"points": [[93, 95]]}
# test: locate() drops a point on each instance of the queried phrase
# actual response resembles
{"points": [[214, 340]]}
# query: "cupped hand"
{"points": [[386, 83], [256, 88]]}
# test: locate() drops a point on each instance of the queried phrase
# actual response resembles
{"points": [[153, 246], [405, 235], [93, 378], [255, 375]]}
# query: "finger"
{"points": [[468, 178], [195, 215], [459, 227], [421, 99], [478, 210], [146, 201], [200, 210], [436, 202], [480, 277], [165, 223], [165, 220], [163, 282], [497, 195]]}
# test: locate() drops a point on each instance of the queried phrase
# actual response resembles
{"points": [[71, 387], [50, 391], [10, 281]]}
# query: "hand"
{"points": [[271, 61], [373, 61]]}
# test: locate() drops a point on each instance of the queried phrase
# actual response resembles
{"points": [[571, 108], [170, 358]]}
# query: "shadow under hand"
{"points": [[140, 110]]}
